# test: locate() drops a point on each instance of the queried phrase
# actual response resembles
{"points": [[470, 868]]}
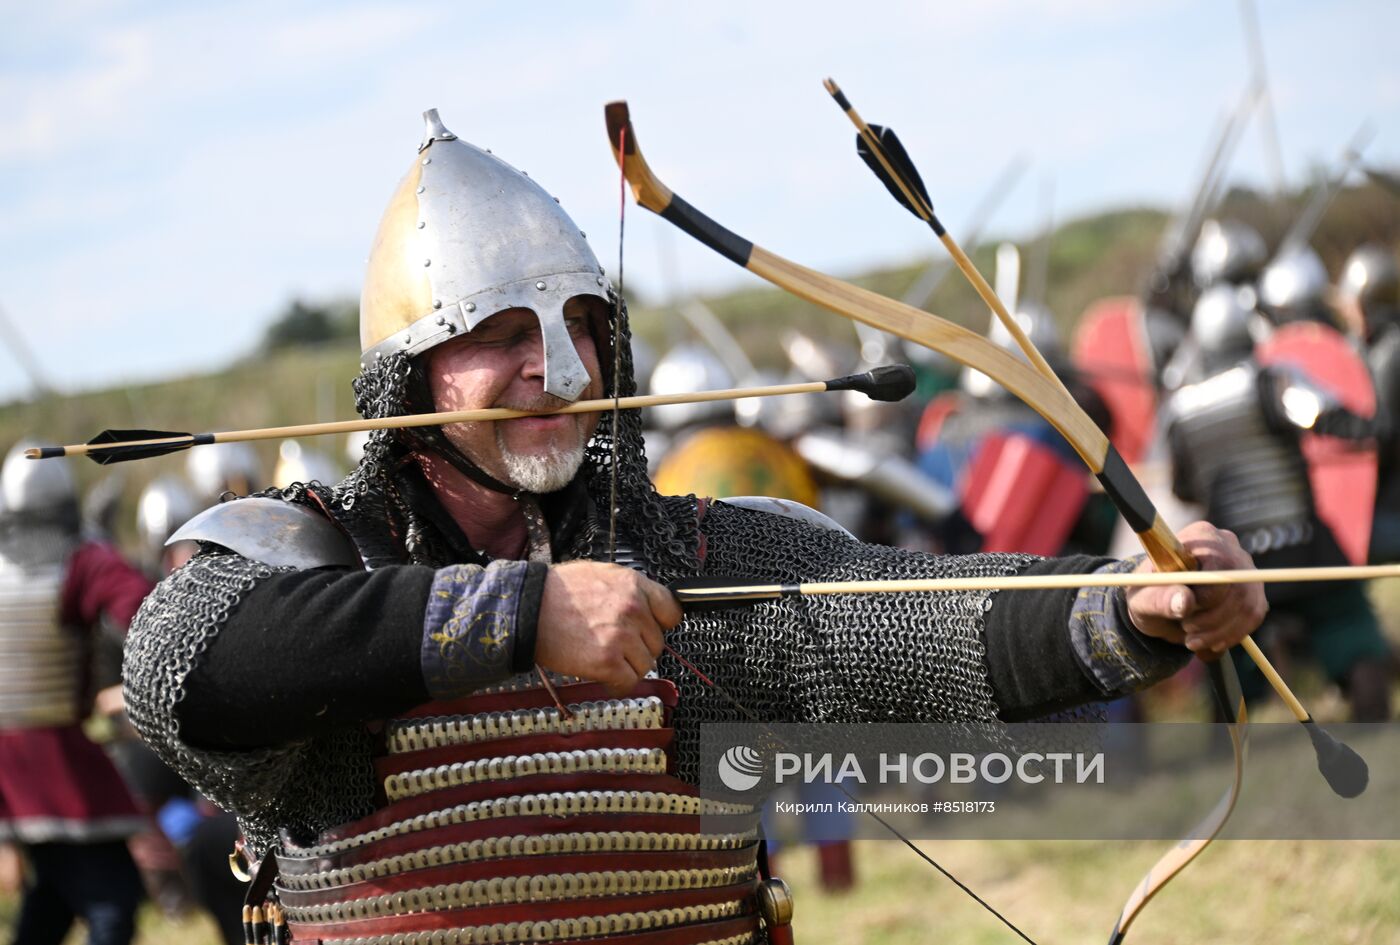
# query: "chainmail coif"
{"points": [[847, 658]]}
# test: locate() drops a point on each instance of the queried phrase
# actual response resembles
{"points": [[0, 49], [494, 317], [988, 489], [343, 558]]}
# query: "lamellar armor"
{"points": [[41, 663], [1241, 459]]}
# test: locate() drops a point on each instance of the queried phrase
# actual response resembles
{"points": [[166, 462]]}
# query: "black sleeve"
{"points": [[307, 652], [1030, 660]]}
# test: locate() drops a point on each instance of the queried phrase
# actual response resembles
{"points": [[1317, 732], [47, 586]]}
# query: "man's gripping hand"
{"points": [[603, 622], [1207, 620]]}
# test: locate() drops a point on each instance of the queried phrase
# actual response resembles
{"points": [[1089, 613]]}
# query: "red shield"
{"points": [[1111, 352], [1342, 472], [1022, 496]]}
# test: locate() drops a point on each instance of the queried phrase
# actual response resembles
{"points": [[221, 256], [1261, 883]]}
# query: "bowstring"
{"points": [[617, 345], [612, 554]]}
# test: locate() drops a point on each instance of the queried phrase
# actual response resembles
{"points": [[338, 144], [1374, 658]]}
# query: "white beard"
{"points": [[541, 473]]}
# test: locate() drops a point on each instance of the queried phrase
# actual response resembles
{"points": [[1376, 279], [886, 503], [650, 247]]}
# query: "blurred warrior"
{"points": [[183, 855], [980, 440], [1369, 297], [1235, 448], [60, 797], [427, 690]]}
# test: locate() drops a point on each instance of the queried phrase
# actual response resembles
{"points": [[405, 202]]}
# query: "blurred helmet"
{"points": [[1227, 251], [1293, 286], [296, 463], [223, 467], [465, 236], [39, 491], [1371, 279], [1220, 323], [643, 362], [355, 446], [165, 504], [816, 359], [686, 369], [1165, 332], [1038, 324], [785, 417]]}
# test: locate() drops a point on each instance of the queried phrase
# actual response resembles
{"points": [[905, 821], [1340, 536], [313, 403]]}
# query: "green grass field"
{"points": [[1059, 893]]}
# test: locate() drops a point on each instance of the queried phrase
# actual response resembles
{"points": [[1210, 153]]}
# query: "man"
{"points": [[60, 797], [1368, 295], [1236, 449], [497, 802]]}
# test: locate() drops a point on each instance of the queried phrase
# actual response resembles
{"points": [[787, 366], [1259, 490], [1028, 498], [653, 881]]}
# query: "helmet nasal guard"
{"points": [[466, 236]]}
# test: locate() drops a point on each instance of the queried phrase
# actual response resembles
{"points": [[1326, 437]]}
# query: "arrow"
{"points": [[888, 383]]}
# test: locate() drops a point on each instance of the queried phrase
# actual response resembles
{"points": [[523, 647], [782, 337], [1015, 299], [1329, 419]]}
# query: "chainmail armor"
{"points": [[854, 658], [302, 786]]}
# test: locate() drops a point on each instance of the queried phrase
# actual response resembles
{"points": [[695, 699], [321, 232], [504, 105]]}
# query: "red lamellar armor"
{"points": [[508, 820]]}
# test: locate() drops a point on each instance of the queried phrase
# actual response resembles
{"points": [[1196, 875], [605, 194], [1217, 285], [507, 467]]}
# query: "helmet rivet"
{"points": [[556, 199], [525, 173], [437, 303], [407, 340], [421, 189], [471, 306], [442, 319], [540, 286], [427, 262], [488, 150], [378, 356], [422, 223], [427, 161], [583, 234]]}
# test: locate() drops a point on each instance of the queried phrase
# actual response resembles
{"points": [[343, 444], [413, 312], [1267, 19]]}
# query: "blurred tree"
{"points": [[307, 324]]}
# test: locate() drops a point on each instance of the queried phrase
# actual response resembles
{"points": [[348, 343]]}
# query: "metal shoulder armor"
{"points": [[273, 532], [788, 509]]}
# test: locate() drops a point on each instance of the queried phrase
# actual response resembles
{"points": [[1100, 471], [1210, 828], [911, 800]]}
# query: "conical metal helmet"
{"points": [[36, 489], [1227, 251], [1220, 323], [165, 504], [1293, 286], [466, 236], [1370, 277]]}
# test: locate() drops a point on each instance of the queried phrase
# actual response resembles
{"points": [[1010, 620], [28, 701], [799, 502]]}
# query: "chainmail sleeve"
{"points": [[300, 786], [842, 658]]}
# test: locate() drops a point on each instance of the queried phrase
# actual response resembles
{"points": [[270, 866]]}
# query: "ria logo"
{"points": [[741, 768]]}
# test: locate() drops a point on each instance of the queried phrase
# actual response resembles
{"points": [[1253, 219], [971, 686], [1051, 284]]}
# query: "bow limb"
{"points": [[1160, 542], [1046, 397]]}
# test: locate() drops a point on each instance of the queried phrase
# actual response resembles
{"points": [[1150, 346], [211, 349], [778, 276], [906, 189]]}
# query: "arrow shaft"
{"points": [[743, 592], [431, 419]]}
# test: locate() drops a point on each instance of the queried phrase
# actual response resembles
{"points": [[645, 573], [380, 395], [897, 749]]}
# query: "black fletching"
{"points": [[898, 159], [1346, 772], [888, 383], [122, 454]]}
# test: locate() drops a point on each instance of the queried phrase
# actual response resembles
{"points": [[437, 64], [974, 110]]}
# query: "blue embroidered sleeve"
{"points": [[1116, 655], [479, 625]]}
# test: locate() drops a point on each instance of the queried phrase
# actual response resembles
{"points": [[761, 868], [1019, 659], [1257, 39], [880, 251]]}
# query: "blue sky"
{"points": [[172, 173]]}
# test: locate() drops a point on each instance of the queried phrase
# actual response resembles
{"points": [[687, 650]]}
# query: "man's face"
{"points": [[500, 363]]}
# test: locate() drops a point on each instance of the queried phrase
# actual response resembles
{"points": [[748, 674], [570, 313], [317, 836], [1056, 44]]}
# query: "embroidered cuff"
{"points": [[1118, 657], [471, 627]]}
